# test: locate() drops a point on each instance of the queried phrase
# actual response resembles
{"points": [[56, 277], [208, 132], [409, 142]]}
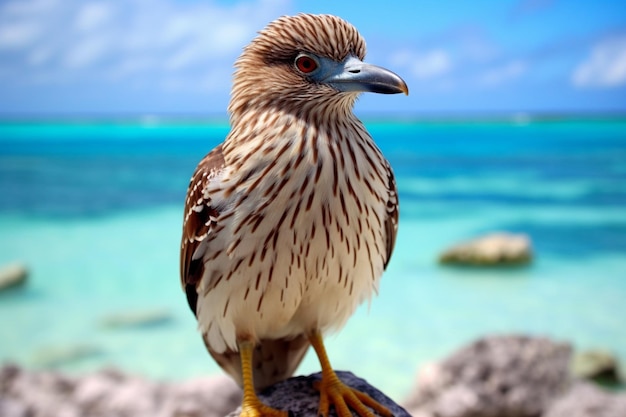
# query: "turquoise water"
{"points": [[94, 210]]}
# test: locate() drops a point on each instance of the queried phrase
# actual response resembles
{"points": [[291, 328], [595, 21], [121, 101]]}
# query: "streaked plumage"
{"points": [[290, 222]]}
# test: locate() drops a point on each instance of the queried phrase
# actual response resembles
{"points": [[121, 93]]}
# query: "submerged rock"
{"points": [[13, 275], [496, 249], [137, 318], [62, 355]]}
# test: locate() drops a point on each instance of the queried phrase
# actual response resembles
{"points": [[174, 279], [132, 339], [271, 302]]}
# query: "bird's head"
{"points": [[306, 63]]}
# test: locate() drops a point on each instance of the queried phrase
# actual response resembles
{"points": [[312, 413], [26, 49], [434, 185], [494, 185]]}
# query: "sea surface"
{"points": [[94, 210]]}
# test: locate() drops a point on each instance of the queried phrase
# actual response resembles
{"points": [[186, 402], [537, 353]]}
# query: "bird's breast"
{"points": [[303, 244]]}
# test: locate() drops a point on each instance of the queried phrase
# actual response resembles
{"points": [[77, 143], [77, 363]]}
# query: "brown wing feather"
{"points": [[199, 221], [391, 222], [274, 360]]}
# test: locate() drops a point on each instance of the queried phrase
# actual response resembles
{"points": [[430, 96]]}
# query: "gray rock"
{"points": [[298, 396], [12, 276], [36, 394], [495, 249], [110, 393], [597, 365], [11, 408], [587, 400], [502, 376], [213, 396]]}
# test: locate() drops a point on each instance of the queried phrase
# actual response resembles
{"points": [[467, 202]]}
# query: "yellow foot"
{"points": [[251, 405], [258, 409], [344, 398]]}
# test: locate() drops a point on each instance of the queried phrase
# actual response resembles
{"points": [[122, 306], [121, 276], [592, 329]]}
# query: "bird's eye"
{"points": [[306, 64]]}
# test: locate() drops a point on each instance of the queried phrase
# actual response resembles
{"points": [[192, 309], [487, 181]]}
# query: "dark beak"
{"points": [[357, 76]]}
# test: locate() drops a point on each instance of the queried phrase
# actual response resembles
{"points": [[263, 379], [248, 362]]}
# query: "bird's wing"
{"points": [[274, 360], [391, 222], [200, 220]]}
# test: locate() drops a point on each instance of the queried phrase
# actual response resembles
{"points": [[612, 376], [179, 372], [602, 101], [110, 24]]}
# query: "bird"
{"points": [[290, 222]]}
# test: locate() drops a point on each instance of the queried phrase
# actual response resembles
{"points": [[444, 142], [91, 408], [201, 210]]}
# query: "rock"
{"points": [[587, 400], [209, 396], [496, 249], [597, 365], [498, 376], [112, 393], [12, 276], [139, 318], [299, 397], [36, 394], [10, 408]]}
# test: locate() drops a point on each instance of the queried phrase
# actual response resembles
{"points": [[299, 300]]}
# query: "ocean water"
{"points": [[94, 210]]}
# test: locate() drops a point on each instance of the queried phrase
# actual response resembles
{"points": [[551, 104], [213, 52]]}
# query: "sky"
{"points": [[175, 57]]}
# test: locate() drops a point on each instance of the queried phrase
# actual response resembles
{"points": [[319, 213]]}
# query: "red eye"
{"points": [[306, 64]]}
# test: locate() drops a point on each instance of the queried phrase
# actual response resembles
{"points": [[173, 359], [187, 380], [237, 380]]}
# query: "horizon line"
{"points": [[197, 117]]}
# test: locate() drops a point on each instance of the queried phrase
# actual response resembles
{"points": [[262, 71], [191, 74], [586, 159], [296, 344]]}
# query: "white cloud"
{"points": [[22, 22], [176, 29], [87, 52], [17, 35], [432, 64], [605, 67], [93, 15], [191, 44], [184, 57], [425, 65], [39, 56], [502, 74], [132, 66], [113, 40]]}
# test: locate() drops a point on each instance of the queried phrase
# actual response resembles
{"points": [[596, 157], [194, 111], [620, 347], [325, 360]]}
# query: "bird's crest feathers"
{"points": [[324, 35]]}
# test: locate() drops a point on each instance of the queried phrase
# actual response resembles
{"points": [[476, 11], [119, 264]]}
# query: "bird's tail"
{"points": [[273, 360]]}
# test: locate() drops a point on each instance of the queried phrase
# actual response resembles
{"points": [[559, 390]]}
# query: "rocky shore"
{"points": [[111, 393], [510, 376], [498, 376]]}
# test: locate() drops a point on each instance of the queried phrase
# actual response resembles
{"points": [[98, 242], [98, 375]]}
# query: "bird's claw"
{"points": [[262, 410], [345, 398]]}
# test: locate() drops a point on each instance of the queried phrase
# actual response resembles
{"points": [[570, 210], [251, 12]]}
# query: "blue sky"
{"points": [[176, 56]]}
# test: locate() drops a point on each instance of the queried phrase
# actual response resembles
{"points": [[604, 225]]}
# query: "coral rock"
{"points": [[495, 249]]}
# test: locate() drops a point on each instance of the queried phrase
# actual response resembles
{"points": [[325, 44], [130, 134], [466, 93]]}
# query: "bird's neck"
{"points": [[268, 119], [254, 131], [330, 108]]}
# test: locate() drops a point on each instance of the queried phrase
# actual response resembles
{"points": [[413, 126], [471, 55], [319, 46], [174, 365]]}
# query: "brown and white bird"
{"points": [[290, 222]]}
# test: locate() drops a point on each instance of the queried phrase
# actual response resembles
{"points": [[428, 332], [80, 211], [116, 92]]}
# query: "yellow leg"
{"points": [[333, 391], [251, 405]]}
